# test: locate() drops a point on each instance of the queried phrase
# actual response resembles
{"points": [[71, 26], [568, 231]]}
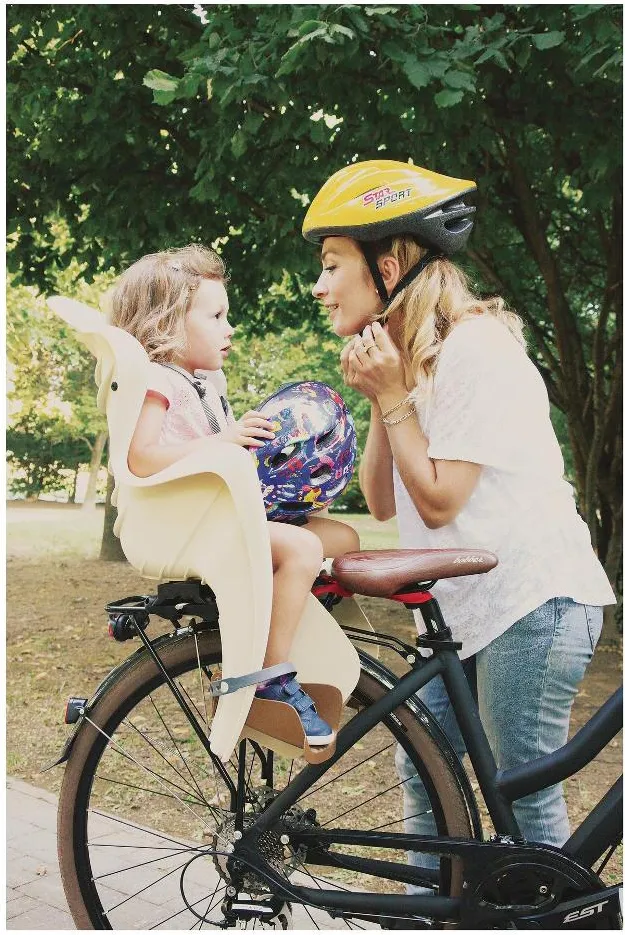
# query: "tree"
{"points": [[253, 108], [52, 397], [41, 449]]}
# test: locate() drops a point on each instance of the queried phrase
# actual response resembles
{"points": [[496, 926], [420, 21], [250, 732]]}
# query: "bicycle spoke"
{"points": [[178, 751], [147, 887], [129, 824], [232, 762], [200, 673], [341, 775], [186, 909], [306, 910], [164, 758], [130, 785], [139, 847], [115, 746], [162, 779], [366, 802], [144, 863], [428, 811]]}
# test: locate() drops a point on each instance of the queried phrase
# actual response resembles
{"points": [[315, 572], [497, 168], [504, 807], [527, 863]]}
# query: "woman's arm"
{"points": [[376, 469], [438, 489]]}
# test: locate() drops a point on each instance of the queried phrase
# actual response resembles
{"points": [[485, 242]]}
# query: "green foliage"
{"points": [[40, 449], [143, 127], [53, 419]]}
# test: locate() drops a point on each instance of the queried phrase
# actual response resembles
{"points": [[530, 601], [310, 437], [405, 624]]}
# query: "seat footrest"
{"points": [[277, 725]]}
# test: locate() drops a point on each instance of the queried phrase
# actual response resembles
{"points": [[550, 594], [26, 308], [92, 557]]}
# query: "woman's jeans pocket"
{"points": [[594, 620]]}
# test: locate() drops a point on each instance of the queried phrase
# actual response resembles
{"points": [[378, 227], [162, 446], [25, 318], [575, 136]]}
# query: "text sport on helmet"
{"points": [[311, 460]]}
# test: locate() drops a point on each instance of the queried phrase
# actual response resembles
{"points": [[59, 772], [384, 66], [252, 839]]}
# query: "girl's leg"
{"points": [[527, 680], [336, 537], [297, 557]]}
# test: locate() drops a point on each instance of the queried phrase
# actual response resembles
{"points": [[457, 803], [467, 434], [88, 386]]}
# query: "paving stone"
{"points": [[17, 785], [36, 811], [22, 870], [48, 889], [20, 905], [36, 901], [19, 828], [42, 918], [40, 845]]}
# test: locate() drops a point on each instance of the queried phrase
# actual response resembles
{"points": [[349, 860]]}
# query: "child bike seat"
{"points": [[203, 517]]}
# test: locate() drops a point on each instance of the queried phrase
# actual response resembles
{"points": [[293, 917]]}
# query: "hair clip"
{"points": [[176, 267]]}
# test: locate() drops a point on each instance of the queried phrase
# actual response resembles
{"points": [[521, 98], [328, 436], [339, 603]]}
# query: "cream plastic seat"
{"points": [[203, 517]]}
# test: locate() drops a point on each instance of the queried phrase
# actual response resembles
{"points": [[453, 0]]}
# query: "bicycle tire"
{"points": [[133, 689]]}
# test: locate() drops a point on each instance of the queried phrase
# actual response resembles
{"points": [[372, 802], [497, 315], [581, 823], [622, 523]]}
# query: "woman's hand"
{"points": [[372, 364], [251, 431]]}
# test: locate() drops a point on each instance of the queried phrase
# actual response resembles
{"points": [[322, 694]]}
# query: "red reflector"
{"points": [[333, 587], [412, 597]]}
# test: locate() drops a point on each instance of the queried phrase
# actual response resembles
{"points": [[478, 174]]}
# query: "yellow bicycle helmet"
{"points": [[369, 201]]}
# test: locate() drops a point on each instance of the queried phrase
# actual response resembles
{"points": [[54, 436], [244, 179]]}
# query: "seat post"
{"points": [[435, 625]]}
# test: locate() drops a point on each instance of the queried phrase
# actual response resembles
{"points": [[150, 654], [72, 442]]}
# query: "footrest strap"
{"points": [[227, 686]]}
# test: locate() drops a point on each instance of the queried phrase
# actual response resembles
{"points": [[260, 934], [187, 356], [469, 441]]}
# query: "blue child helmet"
{"points": [[311, 459]]}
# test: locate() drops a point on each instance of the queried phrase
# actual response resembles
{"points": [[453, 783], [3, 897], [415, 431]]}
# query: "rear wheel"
{"points": [[143, 808]]}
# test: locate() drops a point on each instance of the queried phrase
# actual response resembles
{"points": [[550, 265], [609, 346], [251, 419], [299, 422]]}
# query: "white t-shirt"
{"points": [[489, 406]]}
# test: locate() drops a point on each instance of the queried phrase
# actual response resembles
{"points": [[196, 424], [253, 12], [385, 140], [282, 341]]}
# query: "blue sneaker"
{"points": [[287, 689]]}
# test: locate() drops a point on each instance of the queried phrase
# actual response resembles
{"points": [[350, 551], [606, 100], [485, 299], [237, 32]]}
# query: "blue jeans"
{"points": [[526, 679]]}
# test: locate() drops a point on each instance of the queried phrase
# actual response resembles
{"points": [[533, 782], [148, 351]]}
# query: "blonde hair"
{"points": [[431, 306], [151, 299]]}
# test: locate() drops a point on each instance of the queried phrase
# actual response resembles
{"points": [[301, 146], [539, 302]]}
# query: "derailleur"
{"points": [[270, 911]]}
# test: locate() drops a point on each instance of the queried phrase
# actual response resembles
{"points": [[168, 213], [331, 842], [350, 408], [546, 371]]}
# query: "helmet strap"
{"points": [[412, 274], [369, 254], [372, 262]]}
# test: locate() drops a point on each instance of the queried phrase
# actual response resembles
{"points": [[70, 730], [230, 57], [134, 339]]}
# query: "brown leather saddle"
{"points": [[387, 572]]}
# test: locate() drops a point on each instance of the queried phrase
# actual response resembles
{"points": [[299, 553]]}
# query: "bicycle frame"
{"points": [[500, 788]]}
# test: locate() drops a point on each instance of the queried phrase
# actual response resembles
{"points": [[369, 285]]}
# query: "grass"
{"points": [[72, 532]]}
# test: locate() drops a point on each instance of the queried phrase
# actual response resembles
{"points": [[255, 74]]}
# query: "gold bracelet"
{"points": [[405, 400], [412, 412]]}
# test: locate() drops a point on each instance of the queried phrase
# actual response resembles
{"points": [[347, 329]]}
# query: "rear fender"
{"points": [[375, 668]]}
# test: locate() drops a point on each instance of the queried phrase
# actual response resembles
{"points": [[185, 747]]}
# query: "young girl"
{"points": [[175, 304], [461, 448]]}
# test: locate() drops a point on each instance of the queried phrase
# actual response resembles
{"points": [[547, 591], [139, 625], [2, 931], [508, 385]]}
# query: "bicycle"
{"points": [[253, 841]]}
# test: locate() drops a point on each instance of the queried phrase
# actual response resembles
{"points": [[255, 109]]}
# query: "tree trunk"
{"points": [[110, 549], [72, 496], [94, 467]]}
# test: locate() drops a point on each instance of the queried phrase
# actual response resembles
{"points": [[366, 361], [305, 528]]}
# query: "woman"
{"points": [[462, 450]]}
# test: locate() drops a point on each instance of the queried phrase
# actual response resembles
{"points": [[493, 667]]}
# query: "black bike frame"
{"points": [[499, 788]]}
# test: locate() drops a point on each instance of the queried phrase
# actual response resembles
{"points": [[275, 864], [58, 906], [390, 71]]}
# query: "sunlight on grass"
{"points": [[34, 530]]}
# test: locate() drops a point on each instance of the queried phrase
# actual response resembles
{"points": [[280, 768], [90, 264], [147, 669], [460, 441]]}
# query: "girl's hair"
{"points": [[151, 299], [430, 309]]}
